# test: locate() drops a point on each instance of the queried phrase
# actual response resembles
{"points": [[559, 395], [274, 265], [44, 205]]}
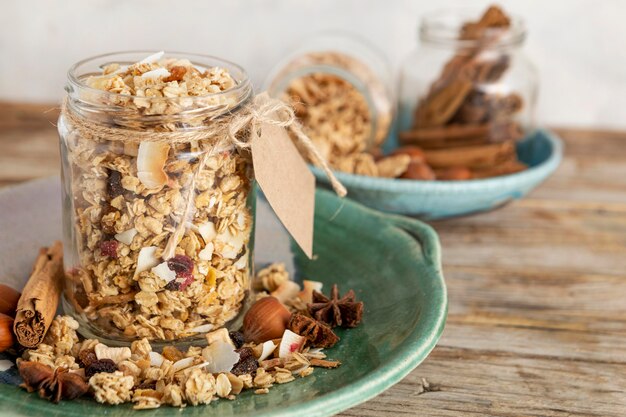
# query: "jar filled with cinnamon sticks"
{"points": [[467, 95]]}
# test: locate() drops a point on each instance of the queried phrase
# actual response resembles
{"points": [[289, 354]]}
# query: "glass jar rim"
{"points": [[76, 80], [442, 27]]}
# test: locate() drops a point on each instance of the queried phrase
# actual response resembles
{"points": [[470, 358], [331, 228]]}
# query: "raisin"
{"points": [[100, 365], [237, 338], [171, 353], [247, 362], [109, 248], [86, 357], [114, 183]]}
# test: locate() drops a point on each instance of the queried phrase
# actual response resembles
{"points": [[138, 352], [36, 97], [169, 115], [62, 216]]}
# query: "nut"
{"points": [[6, 332], [267, 319], [418, 171], [8, 300], [286, 291]]}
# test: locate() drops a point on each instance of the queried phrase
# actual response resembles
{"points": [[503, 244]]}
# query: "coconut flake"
{"points": [[207, 231], [164, 272], [146, 259], [207, 252], [242, 262], [151, 158], [152, 58], [289, 344], [202, 329], [221, 355], [5, 364], [286, 291], [232, 244], [268, 348], [184, 363], [156, 74], [156, 359], [220, 335], [127, 236], [306, 294]]}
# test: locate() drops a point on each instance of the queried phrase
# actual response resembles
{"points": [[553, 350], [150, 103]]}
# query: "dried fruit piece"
{"points": [[114, 183], [237, 338], [101, 365], [127, 236], [151, 158], [289, 344], [183, 266], [247, 362], [171, 353], [286, 291], [109, 248], [86, 357], [176, 74], [266, 350], [306, 294]]}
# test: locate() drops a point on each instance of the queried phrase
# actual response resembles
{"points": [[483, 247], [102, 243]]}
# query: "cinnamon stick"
{"points": [[40, 298], [472, 157]]}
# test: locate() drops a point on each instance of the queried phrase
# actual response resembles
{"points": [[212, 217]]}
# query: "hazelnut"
{"points": [[454, 174], [418, 171], [415, 152], [8, 300], [266, 319], [6, 332]]}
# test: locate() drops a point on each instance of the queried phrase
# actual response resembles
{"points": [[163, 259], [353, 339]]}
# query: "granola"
{"points": [[161, 231]]}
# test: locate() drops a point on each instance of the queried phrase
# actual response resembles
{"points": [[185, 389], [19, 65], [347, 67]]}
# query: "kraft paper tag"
{"points": [[286, 181]]}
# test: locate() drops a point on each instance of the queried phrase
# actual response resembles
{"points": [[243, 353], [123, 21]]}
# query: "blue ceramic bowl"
{"points": [[541, 151]]}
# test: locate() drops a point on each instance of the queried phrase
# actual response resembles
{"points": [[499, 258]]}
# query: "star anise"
{"points": [[335, 310], [317, 333], [52, 385]]}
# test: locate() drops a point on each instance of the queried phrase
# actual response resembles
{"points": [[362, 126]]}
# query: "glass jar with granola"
{"points": [[158, 202], [468, 89], [340, 88]]}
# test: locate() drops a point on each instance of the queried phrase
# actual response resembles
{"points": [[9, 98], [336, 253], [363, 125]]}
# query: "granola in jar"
{"points": [[339, 88], [158, 202]]}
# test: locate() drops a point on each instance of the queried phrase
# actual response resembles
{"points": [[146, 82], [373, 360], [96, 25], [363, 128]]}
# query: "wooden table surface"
{"points": [[537, 289]]}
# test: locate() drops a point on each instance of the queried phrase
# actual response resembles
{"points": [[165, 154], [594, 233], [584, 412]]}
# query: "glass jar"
{"points": [[158, 205], [340, 88], [467, 84]]}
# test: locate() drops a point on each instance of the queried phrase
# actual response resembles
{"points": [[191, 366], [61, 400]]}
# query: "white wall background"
{"points": [[579, 46]]}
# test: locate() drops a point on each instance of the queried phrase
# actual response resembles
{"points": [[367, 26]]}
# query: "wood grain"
{"points": [[537, 290]]}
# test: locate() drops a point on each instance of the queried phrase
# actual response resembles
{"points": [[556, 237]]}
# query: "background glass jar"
{"points": [[462, 87], [158, 208], [340, 87]]}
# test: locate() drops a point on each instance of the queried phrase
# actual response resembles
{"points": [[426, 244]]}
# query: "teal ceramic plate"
{"points": [[542, 151], [393, 264]]}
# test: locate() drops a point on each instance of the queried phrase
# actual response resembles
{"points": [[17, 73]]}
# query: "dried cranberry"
{"points": [[237, 338], [180, 264], [247, 362], [114, 183], [183, 266], [109, 248], [100, 365]]}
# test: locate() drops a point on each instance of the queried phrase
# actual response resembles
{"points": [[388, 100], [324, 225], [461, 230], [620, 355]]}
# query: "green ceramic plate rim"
{"points": [[405, 359], [456, 187]]}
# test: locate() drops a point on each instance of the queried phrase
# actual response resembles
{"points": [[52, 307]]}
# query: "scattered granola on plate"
{"points": [[66, 367]]}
